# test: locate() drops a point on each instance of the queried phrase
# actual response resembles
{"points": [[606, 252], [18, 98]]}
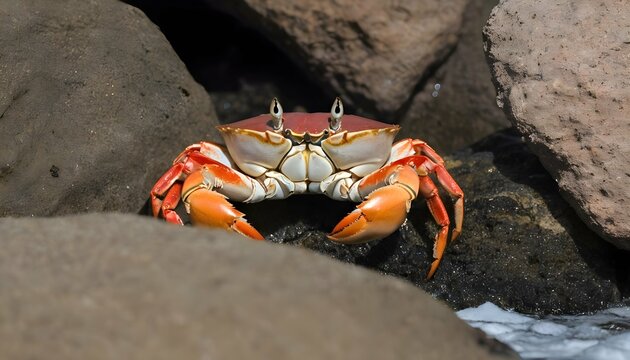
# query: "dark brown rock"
{"points": [[561, 70], [455, 106], [93, 100], [373, 54], [126, 287]]}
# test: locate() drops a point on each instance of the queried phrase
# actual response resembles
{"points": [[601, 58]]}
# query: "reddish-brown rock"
{"points": [[562, 74]]}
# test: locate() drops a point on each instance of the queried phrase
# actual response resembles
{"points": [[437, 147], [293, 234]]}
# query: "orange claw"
{"points": [[205, 193], [211, 209], [382, 213]]}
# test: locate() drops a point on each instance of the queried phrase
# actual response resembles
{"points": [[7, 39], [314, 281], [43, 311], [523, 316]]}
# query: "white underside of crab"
{"points": [[304, 168]]}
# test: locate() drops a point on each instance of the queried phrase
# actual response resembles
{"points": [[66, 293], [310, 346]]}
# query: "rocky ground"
{"points": [[95, 102]]}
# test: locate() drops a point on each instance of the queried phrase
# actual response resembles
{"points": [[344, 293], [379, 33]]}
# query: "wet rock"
{"points": [[522, 245], [562, 74], [526, 247], [373, 55], [106, 286], [93, 99]]}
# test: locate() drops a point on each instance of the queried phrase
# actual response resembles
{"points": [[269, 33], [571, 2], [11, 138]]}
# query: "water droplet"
{"points": [[436, 89]]}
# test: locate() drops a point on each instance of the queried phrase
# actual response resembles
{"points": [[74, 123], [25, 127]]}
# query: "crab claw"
{"points": [[211, 209], [382, 213]]}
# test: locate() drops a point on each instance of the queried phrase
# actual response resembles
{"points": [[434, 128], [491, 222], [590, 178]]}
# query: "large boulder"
{"points": [[373, 54], [94, 104], [562, 74], [125, 287]]}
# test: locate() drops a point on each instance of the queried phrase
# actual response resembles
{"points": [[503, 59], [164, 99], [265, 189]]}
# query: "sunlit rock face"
{"points": [[562, 75]]}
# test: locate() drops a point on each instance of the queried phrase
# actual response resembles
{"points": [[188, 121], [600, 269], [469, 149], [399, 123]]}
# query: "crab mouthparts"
{"points": [[308, 138]]}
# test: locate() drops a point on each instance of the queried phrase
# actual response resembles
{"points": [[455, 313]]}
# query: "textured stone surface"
{"points": [[561, 70], [373, 54], [93, 100], [522, 246], [456, 105], [124, 287]]}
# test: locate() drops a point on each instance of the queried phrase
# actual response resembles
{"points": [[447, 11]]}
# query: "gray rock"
{"points": [[373, 55], [93, 100], [522, 246], [561, 70], [125, 287]]}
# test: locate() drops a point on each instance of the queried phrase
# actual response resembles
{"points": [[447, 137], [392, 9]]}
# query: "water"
{"points": [[603, 335]]}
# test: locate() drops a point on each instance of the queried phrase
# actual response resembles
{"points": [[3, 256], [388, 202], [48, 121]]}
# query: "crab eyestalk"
{"points": [[336, 112], [275, 110]]}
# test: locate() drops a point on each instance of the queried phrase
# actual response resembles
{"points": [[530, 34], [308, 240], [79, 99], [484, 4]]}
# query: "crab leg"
{"points": [[191, 159], [161, 188], [170, 203], [209, 150], [437, 209], [424, 166], [431, 162], [429, 191]]}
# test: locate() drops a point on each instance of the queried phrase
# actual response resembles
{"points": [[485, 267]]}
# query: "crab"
{"points": [[276, 155]]}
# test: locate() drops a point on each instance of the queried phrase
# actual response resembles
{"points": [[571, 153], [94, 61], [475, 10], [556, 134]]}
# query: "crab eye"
{"points": [[336, 112], [275, 110]]}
